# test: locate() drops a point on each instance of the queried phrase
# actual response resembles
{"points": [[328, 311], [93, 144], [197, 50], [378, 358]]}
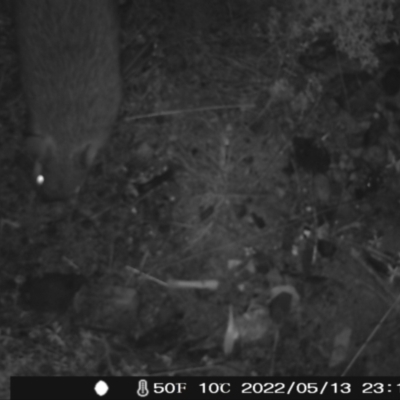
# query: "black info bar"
{"points": [[204, 388]]}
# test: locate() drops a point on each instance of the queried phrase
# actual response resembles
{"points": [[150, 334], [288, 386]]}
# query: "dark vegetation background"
{"points": [[244, 217]]}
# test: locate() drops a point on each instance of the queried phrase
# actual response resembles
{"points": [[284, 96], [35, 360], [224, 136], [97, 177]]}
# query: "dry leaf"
{"points": [[231, 334], [340, 347]]}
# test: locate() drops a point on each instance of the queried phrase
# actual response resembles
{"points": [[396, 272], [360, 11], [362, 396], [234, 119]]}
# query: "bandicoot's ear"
{"points": [[88, 153]]}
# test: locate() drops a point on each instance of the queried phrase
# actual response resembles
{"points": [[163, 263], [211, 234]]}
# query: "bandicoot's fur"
{"points": [[70, 72]]}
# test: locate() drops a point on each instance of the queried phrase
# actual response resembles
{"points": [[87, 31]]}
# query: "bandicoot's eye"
{"points": [[40, 180]]}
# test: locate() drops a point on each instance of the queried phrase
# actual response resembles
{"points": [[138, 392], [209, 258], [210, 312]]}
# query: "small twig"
{"points": [[371, 335], [208, 284], [189, 110]]}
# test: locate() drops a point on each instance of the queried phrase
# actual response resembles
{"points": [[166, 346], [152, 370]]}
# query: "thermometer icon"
{"points": [[142, 391]]}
